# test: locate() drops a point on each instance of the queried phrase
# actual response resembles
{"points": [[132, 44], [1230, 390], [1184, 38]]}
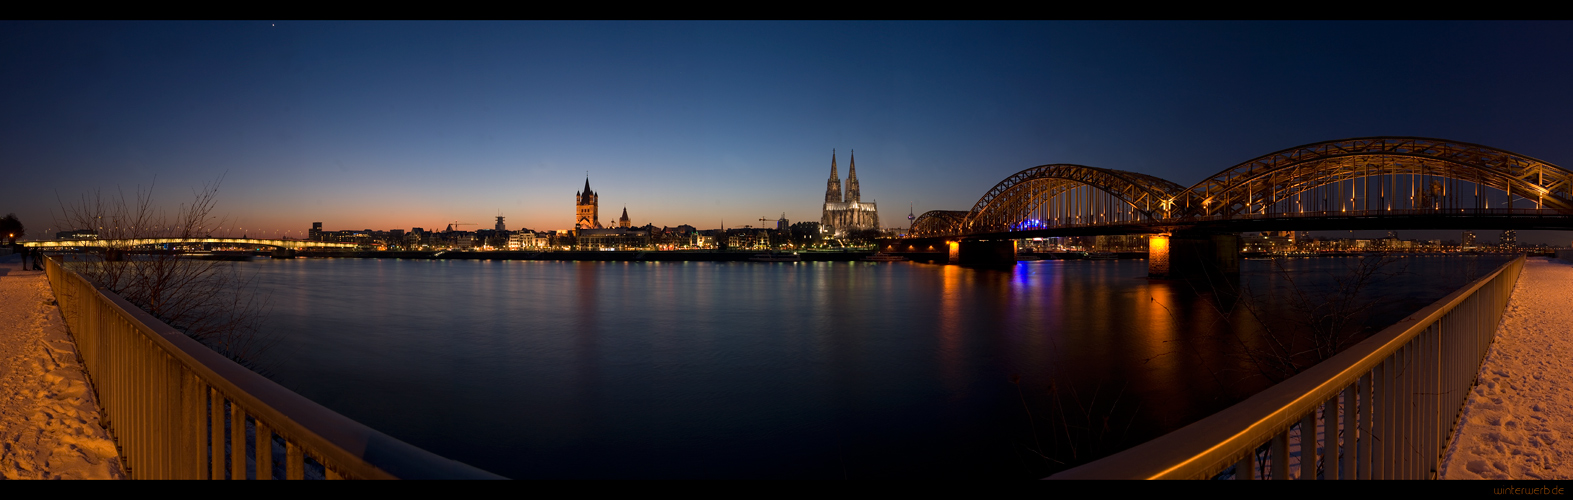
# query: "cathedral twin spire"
{"points": [[833, 186], [852, 177]]}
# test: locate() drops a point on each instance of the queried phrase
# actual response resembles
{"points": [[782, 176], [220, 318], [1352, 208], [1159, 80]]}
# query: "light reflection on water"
{"points": [[537, 369]]}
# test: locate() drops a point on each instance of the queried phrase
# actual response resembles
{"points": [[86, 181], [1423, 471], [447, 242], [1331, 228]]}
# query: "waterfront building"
{"points": [[79, 234], [526, 239], [749, 238], [849, 213], [492, 239], [619, 238], [1268, 241]]}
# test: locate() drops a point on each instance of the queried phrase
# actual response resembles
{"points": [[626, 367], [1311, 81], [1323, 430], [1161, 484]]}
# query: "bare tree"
{"points": [[1301, 323], [210, 301], [12, 228], [1326, 319]]}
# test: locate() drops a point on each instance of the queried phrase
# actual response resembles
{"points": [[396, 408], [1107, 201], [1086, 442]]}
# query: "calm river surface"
{"points": [[539, 369]]}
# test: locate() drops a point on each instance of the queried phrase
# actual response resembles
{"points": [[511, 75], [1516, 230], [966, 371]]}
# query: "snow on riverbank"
{"points": [[48, 416], [1518, 422]]}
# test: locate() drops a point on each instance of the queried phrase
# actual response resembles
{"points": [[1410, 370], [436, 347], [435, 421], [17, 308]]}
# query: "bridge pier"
{"points": [[283, 253], [987, 254], [1193, 255], [931, 250], [1158, 255]]}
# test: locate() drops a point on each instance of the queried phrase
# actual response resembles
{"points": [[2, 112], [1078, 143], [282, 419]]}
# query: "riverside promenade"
{"points": [[1519, 418], [49, 420]]}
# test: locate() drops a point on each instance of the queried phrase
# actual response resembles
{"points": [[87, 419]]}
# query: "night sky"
{"points": [[385, 125]]}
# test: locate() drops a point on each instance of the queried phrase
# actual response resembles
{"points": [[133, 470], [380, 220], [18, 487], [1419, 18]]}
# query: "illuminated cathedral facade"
{"points": [[847, 213]]}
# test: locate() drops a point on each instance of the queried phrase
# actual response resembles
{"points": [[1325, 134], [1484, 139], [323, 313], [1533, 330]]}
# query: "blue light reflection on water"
{"points": [[537, 369]]}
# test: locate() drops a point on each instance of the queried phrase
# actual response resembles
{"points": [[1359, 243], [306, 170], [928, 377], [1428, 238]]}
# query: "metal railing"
{"points": [[1385, 408], [178, 410]]}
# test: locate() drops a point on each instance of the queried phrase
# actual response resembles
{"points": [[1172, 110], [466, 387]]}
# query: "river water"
{"points": [[542, 369]]}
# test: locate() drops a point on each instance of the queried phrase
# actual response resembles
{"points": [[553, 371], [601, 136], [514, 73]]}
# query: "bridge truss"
{"points": [[1362, 177]]}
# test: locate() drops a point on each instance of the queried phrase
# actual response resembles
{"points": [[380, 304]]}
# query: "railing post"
{"points": [[1350, 432], [1308, 445], [1413, 406], [237, 442], [264, 451], [1379, 429], [294, 461], [216, 428], [1245, 469], [1330, 438], [1403, 412], [1280, 455], [165, 411], [190, 429], [1433, 412]]}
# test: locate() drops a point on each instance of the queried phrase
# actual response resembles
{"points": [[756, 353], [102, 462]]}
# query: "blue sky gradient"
{"points": [[387, 125]]}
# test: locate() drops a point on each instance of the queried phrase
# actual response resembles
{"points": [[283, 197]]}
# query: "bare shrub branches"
{"points": [[1321, 320], [211, 301]]}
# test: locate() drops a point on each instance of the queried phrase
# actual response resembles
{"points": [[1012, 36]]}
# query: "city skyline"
{"points": [[388, 125]]}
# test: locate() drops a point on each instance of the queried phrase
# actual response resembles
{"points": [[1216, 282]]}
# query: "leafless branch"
{"points": [[211, 301]]}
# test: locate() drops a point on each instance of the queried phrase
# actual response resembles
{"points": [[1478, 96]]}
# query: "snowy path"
{"points": [[1520, 413], [48, 416]]}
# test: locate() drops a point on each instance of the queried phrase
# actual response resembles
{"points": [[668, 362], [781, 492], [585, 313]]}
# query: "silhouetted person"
{"points": [[23, 251], [38, 257]]}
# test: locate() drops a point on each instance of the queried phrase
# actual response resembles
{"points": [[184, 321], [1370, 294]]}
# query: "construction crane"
{"points": [[454, 227]]}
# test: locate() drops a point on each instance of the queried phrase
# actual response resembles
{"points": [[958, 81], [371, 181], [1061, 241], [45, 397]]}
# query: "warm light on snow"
{"points": [[48, 416], [1521, 411]]}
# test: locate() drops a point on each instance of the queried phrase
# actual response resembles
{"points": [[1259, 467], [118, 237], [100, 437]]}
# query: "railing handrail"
{"points": [[352, 447], [1203, 448]]}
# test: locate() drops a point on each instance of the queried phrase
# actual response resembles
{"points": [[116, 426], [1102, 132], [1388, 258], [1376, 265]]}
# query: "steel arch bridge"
{"points": [[1361, 179]]}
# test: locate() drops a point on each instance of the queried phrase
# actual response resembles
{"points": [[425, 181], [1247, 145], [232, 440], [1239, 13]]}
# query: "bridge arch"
{"points": [[938, 223], [1068, 194], [1377, 174]]}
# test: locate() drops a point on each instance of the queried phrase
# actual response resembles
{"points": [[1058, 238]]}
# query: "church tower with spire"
{"points": [[624, 221], [588, 208]]}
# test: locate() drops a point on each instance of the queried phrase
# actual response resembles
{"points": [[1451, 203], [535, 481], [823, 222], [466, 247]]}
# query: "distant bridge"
{"points": [[1362, 183], [143, 242]]}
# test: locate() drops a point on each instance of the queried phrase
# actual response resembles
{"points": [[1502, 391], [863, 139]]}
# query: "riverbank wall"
{"points": [[703, 256]]}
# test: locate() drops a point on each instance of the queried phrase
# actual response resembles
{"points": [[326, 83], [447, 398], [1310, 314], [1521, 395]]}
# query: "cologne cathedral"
{"points": [[847, 214]]}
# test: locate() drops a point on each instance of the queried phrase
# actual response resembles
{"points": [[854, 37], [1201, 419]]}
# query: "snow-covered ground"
{"points": [[48, 416], [1518, 419]]}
